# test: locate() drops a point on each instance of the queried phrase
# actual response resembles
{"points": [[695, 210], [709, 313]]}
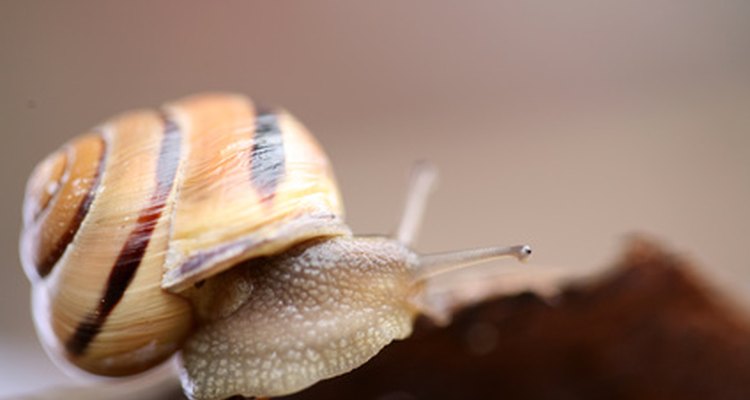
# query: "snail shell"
{"points": [[122, 220]]}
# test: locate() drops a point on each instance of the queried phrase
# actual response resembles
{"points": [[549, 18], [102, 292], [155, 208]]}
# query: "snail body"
{"points": [[306, 325], [214, 227]]}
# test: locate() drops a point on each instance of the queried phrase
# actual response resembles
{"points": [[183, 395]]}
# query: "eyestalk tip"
{"points": [[523, 252]]}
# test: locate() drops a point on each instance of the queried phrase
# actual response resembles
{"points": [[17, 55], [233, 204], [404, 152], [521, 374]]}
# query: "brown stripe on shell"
{"points": [[50, 254], [134, 249], [267, 159], [52, 175]]}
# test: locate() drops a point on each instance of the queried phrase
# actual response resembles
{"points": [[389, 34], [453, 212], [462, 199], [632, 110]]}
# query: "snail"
{"points": [[213, 228]]}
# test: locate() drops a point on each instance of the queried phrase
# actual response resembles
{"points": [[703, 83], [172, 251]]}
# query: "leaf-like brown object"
{"points": [[649, 329]]}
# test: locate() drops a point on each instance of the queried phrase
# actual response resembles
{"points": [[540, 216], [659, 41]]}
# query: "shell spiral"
{"points": [[120, 220]]}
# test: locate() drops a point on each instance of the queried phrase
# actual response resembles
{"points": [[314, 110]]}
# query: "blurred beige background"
{"points": [[563, 124]]}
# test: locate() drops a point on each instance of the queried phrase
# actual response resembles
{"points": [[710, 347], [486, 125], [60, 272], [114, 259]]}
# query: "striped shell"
{"points": [[120, 220]]}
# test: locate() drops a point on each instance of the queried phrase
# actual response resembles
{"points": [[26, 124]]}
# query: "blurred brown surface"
{"points": [[650, 329]]}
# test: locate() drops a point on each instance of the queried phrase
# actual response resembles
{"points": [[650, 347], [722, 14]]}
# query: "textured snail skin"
{"points": [[283, 323], [120, 221]]}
